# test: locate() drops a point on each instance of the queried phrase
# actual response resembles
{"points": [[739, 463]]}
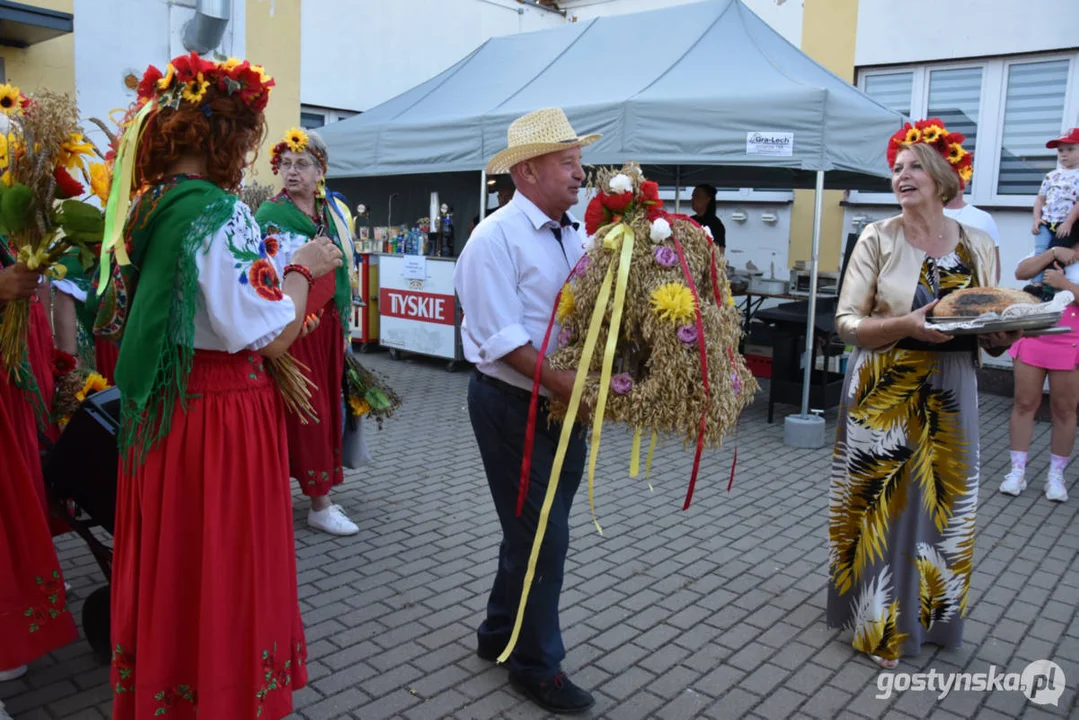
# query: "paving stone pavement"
{"points": [[717, 612]]}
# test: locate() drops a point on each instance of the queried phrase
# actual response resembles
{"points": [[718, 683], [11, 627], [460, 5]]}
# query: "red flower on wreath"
{"points": [[263, 278], [617, 203], [148, 84], [66, 186], [62, 363], [595, 216], [649, 191]]}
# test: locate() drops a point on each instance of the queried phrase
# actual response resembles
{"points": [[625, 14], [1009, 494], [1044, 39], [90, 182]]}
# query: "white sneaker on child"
{"points": [[1054, 487], [1014, 482]]}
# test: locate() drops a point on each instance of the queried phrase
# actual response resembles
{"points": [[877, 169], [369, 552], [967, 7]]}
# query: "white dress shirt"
{"points": [[507, 279], [975, 218]]}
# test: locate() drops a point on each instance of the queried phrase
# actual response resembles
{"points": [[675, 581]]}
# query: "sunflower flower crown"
{"points": [[297, 141], [188, 77], [932, 132]]}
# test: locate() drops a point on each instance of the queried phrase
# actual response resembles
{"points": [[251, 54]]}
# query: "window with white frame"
{"points": [[1007, 107], [313, 117]]}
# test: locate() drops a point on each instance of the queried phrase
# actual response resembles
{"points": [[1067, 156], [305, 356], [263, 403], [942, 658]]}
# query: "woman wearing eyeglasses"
{"points": [[299, 213]]}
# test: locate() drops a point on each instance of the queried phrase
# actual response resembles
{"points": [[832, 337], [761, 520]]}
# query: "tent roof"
{"points": [[680, 86]]}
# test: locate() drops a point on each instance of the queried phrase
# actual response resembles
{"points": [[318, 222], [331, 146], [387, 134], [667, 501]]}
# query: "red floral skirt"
{"points": [[205, 614], [34, 619], [106, 353], [315, 448]]}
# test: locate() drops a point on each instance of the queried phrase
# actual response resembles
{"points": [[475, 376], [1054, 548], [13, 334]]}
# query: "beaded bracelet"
{"points": [[301, 270]]}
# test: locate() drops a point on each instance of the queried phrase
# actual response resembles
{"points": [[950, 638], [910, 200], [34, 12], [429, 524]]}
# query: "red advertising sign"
{"points": [[418, 306]]}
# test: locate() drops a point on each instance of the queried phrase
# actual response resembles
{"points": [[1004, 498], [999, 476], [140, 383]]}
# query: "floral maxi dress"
{"points": [[904, 486]]}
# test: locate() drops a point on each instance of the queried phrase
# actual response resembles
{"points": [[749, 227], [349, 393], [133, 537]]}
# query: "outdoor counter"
{"points": [[417, 308]]}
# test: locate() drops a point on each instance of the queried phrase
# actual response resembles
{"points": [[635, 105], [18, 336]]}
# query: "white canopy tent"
{"points": [[704, 90]]}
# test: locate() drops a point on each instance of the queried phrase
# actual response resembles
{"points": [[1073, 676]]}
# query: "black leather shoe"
{"points": [[558, 695]]}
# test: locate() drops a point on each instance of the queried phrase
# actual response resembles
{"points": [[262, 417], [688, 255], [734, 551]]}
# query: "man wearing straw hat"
{"points": [[507, 278]]}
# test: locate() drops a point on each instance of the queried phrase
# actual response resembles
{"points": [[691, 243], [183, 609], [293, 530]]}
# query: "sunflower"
{"points": [[231, 63], [10, 100], [956, 153], [674, 302], [913, 135], [94, 383], [966, 173], [100, 181], [932, 133], [166, 81], [296, 140], [195, 90], [566, 304], [359, 406], [72, 150]]}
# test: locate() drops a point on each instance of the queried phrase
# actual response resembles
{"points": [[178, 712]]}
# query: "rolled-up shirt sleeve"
{"points": [[486, 283], [859, 286]]}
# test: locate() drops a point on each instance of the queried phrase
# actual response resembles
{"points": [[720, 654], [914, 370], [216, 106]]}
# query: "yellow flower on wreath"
{"points": [[100, 181], [296, 140], [913, 135], [166, 80], [72, 151], [566, 304], [674, 302], [195, 90], [932, 133], [359, 406], [231, 64], [956, 153], [94, 383], [966, 173], [10, 100]]}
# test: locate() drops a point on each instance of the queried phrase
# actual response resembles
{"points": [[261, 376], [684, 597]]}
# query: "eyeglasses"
{"points": [[300, 165]]}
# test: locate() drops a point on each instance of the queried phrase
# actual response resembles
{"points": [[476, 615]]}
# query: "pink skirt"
{"points": [[1052, 352]]}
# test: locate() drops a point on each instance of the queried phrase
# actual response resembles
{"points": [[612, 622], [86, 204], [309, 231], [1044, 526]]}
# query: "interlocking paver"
{"points": [[717, 612]]}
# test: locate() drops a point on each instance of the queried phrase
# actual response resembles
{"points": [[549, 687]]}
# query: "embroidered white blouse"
{"points": [[242, 305]]}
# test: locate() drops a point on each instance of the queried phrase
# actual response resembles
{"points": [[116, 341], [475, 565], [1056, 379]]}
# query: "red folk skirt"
{"points": [[205, 613], [106, 353], [315, 448], [34, 618]]}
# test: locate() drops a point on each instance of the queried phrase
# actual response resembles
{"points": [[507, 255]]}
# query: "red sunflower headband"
{"points": [[932, 132], [188, 77]]}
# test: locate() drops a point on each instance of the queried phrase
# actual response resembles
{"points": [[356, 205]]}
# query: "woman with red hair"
{"points": [[205, 615]]}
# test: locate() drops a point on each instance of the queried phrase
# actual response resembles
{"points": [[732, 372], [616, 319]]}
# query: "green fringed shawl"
{"points": [[167, 226], [281, 214]]}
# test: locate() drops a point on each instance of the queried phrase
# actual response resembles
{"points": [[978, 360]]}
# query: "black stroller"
{"points": [[80, 482]]}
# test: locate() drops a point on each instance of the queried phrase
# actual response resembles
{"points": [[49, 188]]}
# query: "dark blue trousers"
{"points": [[499, 417]]}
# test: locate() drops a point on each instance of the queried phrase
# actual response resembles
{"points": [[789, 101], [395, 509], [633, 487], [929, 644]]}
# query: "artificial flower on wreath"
{"points": [[933, 133]]}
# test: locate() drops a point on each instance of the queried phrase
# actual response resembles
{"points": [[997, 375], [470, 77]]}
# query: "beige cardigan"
{"points": [[883, 271]]}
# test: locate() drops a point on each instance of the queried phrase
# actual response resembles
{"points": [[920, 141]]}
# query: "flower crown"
{"points": [[933, 133], [295, 140], [188, 77]]}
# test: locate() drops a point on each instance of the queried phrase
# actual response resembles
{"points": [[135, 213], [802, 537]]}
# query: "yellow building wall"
{"points": [[273, 41], [829, 29], [47, 65]]}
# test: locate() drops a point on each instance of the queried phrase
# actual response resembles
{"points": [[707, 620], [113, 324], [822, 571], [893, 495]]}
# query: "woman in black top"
{"points": [[704, 208]]}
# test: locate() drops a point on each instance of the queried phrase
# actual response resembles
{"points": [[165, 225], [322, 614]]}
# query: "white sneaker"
{"points": [[12, 674], [1014, 482], [332, 520], [1054, 487]]}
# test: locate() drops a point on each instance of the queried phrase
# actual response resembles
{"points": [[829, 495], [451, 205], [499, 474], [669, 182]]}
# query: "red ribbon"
{"points": [[704, 371], [533, 405], [734, 463]]}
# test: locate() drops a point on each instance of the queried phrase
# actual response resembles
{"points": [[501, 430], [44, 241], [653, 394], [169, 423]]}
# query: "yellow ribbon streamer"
{"points": [[560, 454], [635, 454], [648, 460], [120, 194], [625, 234]]}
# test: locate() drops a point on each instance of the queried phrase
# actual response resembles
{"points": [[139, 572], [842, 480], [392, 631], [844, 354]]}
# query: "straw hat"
{"points": [[537, 133]]}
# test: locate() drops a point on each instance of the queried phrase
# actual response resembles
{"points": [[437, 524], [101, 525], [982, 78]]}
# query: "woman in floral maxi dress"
{"points": [[904, 488]]}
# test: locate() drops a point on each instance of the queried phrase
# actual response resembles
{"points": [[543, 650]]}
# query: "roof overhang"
{"points": [[24, 25]]}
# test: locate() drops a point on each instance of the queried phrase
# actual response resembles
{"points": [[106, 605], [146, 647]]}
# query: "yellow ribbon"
{"points": [[635, 454], [623, 233], [560, 454], [648, 461], [120, 194]]}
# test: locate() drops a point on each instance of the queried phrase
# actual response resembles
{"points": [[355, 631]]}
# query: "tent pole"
{"points": [[483, 194], [677, 189], [811, 321]]}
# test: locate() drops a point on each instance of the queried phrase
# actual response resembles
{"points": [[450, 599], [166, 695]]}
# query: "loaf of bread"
{"points": [[972, 302]]}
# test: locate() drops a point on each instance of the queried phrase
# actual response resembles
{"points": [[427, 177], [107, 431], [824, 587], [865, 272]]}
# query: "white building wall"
{"points": [[116, 37], [896, 32], [360, 53]]}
